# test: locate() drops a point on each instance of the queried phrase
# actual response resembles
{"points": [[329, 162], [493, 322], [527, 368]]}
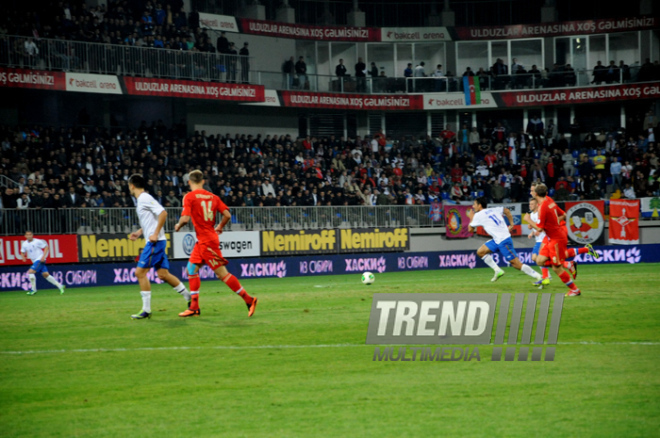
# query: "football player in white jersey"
{"points": [[152, 217], [492, 219], [37, 251]]}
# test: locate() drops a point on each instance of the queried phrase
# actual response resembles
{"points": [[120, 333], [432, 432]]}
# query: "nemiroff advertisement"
{"points": [[333, 241], [112, 247]]}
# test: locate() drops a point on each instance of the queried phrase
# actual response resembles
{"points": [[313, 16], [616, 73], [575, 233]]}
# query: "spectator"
{"points": [[301, 72]]}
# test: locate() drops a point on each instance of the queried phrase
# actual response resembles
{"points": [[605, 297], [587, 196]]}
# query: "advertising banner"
{"points": [[650, 207], [624, 221], [585, 221], [85, 275], [112, 247], [586, 27], [566, 96], [232, 244], [414, 34], [302, 99], [516, 212], [194, 89], [36, 79], [307, 32], [457, 221], [87, 83], [62, 248], [221, 23], [456, 101], [374, 240], [333, 241]]}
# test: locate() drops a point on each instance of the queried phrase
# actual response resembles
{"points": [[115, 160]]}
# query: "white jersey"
{"points": [[148, 210], [34, 249], [534, 216], [492, 219]]}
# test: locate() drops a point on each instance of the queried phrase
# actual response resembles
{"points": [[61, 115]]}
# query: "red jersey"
{"points": [[549, 213], [202, 206]]}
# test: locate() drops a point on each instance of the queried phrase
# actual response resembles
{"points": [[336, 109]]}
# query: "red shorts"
{"points": [[211, 256], [554, 250]]}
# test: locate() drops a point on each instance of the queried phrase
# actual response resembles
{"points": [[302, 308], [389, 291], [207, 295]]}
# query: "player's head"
{"points": [[541, 191], [29, 235], [532, 189], [196, 178], [136, 182], [533, 204], [480, 203]]}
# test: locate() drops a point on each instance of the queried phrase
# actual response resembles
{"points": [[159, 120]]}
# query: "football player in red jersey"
{"points": [[554, 249], [202, 206]]}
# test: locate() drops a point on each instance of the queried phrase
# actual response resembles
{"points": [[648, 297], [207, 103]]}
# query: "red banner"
{"points": [[194, 89], [587, 27], [352, 101], [305, 32], [585, 221], [457, 221], [624, 221], [563, 96], [63, 248], [23, 78]]}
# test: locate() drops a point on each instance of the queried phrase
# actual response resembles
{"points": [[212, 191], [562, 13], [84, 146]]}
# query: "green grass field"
{"points": [[300, 367]]}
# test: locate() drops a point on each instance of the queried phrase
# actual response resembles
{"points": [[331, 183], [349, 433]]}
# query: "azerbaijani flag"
{"points": [[472, 91]]}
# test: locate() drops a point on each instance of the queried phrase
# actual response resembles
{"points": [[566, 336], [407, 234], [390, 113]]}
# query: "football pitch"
{"points": [[76, 365]]}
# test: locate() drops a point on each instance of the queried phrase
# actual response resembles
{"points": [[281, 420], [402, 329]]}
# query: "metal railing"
{"points": [[124, 220], [5, 181], [128, 60], [84, 57]]}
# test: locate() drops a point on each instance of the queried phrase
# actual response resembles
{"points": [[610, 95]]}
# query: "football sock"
{"points": [[181, 289], [54, 282], [565, 277], [33, 282], [531, 272], [194, 283], [146, 300], [488, 259], [235, 285], [545, 272], [572, 252], [194, 301]]}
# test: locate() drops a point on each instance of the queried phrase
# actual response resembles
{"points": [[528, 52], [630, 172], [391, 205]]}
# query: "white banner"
{"points": [[87, 83], [270, 99], [456, 100], [232, 244], [224, 23], [414, 34], [650, 207]]}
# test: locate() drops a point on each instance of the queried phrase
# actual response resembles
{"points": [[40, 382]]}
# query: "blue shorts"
{"points": [[154, 256], [39, 267], [537, 248], [505, 248]]}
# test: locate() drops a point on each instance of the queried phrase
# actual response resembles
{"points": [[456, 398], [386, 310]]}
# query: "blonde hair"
{"points": [[196, 176]]}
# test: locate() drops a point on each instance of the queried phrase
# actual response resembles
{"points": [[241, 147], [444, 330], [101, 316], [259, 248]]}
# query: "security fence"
{"points": [[127, 60], [124, 220], [141, 61]]}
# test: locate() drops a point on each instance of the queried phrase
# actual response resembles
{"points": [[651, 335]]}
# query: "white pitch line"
{"points": [[265, 347]]}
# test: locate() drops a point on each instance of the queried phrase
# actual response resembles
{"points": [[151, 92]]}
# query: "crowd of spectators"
{"points": [[89, 168], [49, 38]]}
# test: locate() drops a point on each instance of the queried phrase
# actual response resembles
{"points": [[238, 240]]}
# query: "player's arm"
{"points": [[23, 253], [162, 217], [509, 217], [135, 234], [472, 227], [183, 221], [185, 214], [46, 249], [226, 217]]}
